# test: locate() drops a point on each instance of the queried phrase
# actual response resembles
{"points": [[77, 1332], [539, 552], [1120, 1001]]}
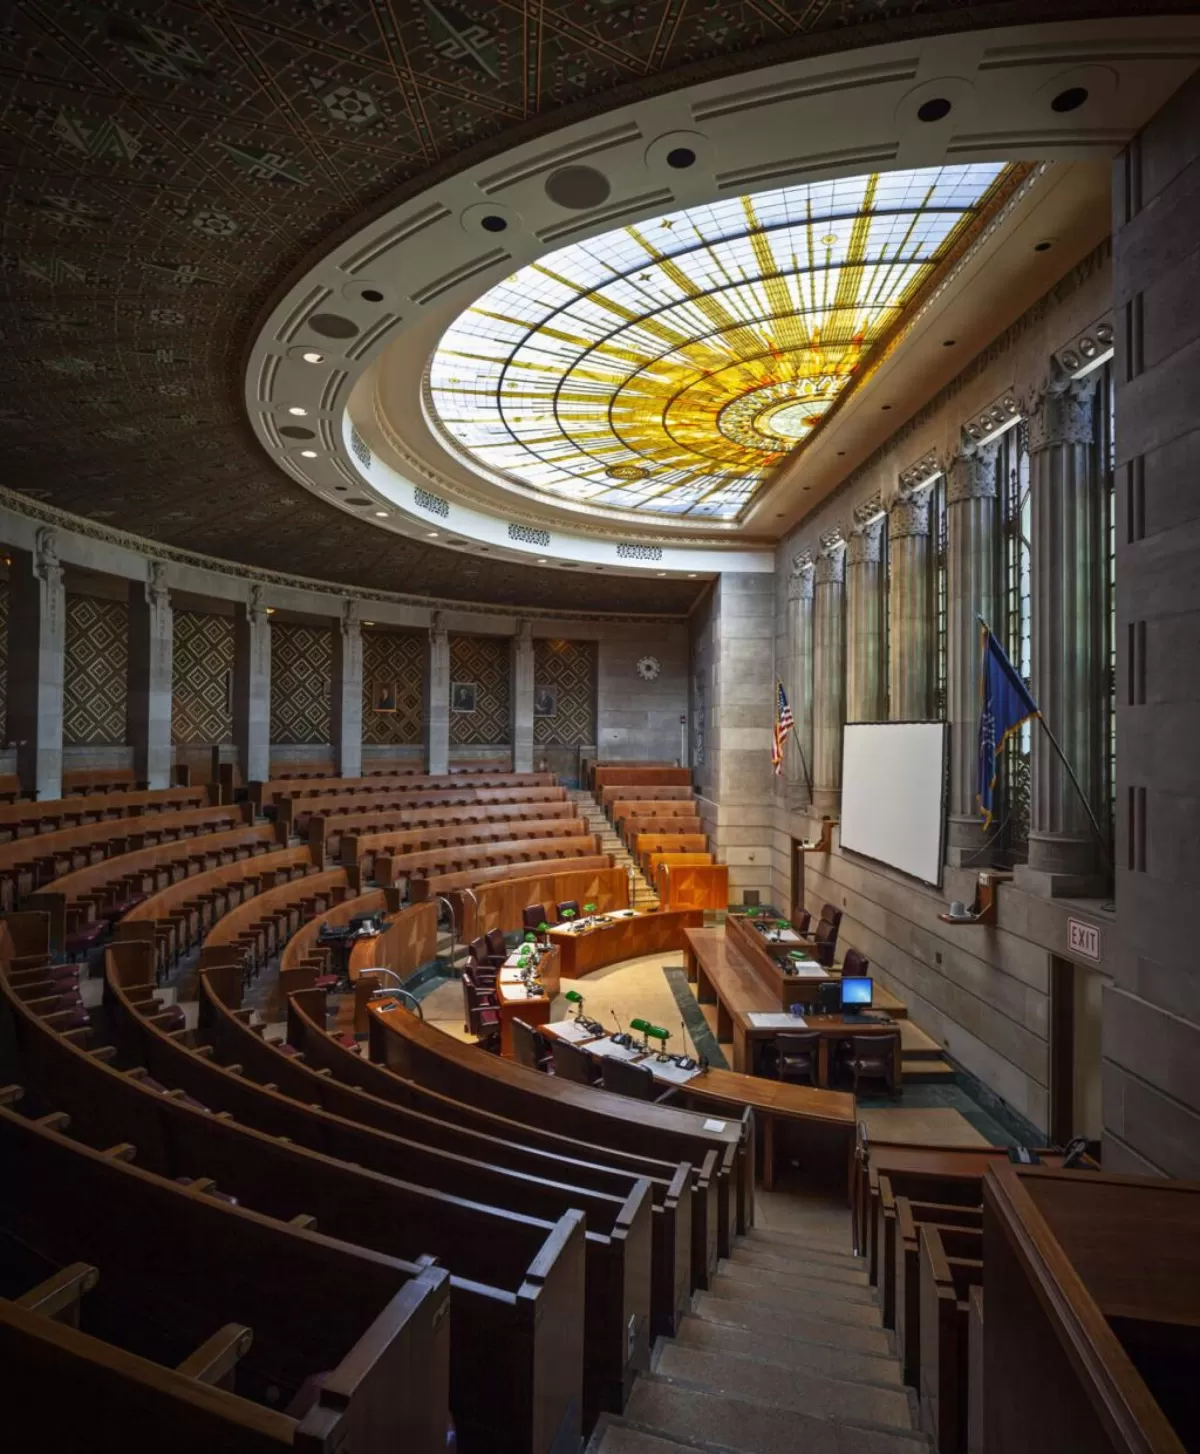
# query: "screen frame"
{"points": [[944, 805], [859, 979]]}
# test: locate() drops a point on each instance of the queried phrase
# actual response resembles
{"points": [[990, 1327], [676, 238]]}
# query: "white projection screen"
{"points": [[894, 795]]}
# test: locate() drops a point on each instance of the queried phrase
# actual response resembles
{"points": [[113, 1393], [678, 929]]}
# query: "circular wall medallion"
{"points": [[648, 668]]}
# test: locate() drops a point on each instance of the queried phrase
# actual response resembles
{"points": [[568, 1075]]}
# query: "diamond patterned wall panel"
{"points": [[301, 670], [399, 658], [569, 667], [3, 651], [96, 672], [483, 660], [202, 670]]}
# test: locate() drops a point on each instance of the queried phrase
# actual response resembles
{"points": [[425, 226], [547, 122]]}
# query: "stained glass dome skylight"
{"points": [[669, 366]]}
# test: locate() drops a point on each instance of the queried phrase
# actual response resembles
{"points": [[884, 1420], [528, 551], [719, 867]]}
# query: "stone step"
{"points": [[796, 1279], [811, 1327], [830, 1246], [791, 1299], [811, 1264], [613, 1435], [918, 1071], [784, 1352], [802, 1390], [728, 1422]]}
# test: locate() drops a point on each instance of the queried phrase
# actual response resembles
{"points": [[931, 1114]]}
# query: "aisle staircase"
{"points": [[644, 896], [785, 1352]]}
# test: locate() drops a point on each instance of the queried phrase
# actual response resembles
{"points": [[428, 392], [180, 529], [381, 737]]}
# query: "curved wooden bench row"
{"points": [[251, 1292], [19, 820], [326, 830], [502, 905], [265, 793], [107, 890], [177, 917], [622, 808], [297, 813], [655, 861], [28, 863], [393, 863], [632, 827], [646, 844], [249, 933], [619, 775], [443, 883], [589, 766], [100, 780], [488, 1224], [642, 793], [364, 850]]}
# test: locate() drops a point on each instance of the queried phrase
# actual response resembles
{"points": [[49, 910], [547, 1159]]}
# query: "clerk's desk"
{"points": [[624, 934], [514, 1001], [724, 976], [821, 1123]]}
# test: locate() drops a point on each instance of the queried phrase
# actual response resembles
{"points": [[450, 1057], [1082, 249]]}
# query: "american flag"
{"points": [[784, 723]]}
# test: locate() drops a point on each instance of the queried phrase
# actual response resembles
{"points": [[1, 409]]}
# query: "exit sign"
{"points": [[1083, 939]]}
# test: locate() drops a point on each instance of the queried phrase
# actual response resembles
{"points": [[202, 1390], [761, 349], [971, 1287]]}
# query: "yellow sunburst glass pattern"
{"points": [[668, 367]]}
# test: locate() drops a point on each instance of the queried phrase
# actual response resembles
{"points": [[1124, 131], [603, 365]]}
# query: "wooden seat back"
{"points": [[646, 844], [676, 807], [161, 904], [632, 828], [961, 1228], [654, 861], [615, 775], [296, 812], [99, 780], [324, 830], [945, 1283], [241, 917], [643, 793], [364, 850], [392, 865], [18, 819], [442, 883], [264, 794]]}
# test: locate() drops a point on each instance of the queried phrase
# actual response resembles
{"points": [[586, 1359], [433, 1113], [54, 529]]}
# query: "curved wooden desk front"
{"points": [[624, 937], [514, 1003]]}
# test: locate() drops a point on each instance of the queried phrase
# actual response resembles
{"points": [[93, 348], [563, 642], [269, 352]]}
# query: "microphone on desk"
{"points": [[620, 1038]]}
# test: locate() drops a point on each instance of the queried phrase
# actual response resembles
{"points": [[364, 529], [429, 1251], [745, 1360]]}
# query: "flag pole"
{"points": [[795, 736], [1070, 771]]}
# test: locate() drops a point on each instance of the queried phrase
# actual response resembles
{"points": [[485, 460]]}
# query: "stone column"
{"points": [[346, 693], [972, 591], [910, 610], [864, 623], [148, 700], [799, 681], [522, 672], [252, 687], [1068, 638], [829, 678], [37, 638], [437, 698]]}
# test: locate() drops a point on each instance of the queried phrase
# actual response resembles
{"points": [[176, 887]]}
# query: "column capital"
{"points": [[46, 564], [349, 620], [973, 476], [256, 607], [800, 582], [908, 515], [158, 596], [830, 568], [524, 632], [865, 546], [437, 626], [1064, 416]]}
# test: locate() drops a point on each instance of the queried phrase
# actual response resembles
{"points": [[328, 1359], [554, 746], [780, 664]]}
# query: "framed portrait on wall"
{"points": [[383, 696], [463, 696], [545, 701]]}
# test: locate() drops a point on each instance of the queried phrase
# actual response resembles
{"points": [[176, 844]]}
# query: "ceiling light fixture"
{"points": [[308, 454], [270, 610], [296, 409], [368, 623], [662, 572], [381, 514], [432, 534], [312, 356], [691, 575], [541, 560]]}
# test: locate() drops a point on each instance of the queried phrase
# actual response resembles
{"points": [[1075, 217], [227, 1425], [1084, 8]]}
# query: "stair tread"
{"points": [[752, 1427], [788, 1354], [811, 1264], [783, 1322], [796, 1279], [861, 1315], [814, 1242], [613, 1435]]}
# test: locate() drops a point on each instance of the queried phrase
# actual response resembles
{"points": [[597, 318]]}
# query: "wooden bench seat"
{"points": [[620, 775], [645, 844], [442, 883], [365, 851], [264, 794], [325, 830], [566, 838], [624, 808], [632, 828], [76, 781], [643, 793], [20, 820], [295, 813]]}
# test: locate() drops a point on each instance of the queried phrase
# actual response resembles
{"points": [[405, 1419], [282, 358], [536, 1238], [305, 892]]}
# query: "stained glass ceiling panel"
{"points": [[669, 367]]}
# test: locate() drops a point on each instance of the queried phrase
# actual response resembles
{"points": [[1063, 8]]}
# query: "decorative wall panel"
{"points": [[301, 671], [565, 671], [482, 660], [397, 658], [202, 672], [96, 672]]}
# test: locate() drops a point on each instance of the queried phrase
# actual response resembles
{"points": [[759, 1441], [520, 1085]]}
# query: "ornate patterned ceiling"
{"points": [[169, 163], [667, 367]]}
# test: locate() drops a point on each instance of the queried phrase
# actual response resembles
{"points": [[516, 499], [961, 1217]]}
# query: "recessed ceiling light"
{"points": [[662, 572], [381, 514], [368, 623], [691, 575], [312, 356], [270, 610], [308, 453], [432, 534], [296, 409], [541, 560]]}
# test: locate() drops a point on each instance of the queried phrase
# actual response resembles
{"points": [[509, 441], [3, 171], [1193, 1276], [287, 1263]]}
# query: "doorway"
{"points": [[798, 857], [1076, 997]]}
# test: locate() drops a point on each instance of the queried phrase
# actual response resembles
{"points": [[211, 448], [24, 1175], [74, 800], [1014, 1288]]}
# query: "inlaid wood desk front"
{"points": [[622, 937]]}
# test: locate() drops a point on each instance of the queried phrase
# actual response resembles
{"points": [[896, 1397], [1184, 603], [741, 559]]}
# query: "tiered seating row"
{"points": [[22, 820]]}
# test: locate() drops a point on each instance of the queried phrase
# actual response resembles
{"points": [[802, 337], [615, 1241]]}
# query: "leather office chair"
{"points": [[561, 909], [855, 965], [483, 955], [628, 1079], [528, 1047], [824, 943], [570, 1063], [871, 1057], [497, 946], [801, 920], [483, 1018], [532, 915], [796, 1056]]}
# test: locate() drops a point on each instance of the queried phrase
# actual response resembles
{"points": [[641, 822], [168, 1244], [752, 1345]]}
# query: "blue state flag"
{"points": [[1005, 705]]}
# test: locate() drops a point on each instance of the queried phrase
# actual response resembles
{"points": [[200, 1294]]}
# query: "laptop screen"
{"points": [[856, 993]]}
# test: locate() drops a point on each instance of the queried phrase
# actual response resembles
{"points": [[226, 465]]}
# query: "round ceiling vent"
{"points": [[332, 325], [578, 188]]}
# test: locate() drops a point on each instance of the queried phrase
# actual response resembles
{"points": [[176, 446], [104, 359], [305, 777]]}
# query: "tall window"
{"points": [[937, 541], [1015, 629]]}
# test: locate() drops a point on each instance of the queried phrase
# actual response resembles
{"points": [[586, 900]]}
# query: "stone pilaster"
{"points": [[1068, 676], [522, 672], [252, 687], [972, 591], [799, 677], [437, 698], [37, 627], [910, 610], [148, 700], [864, 623], [346, 692], [829, 677]]}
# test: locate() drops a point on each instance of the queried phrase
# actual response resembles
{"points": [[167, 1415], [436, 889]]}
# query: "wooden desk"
{"points": [[822, 1121], [514, 1003], [724, 977], [699, 886], [613, 940]]}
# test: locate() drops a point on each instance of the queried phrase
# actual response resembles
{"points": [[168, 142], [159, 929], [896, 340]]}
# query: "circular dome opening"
{"points": [[681, 157], [492, 223], [371, 295], [578, 188], [333, 325], [934, 109], [1069, 100]]}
